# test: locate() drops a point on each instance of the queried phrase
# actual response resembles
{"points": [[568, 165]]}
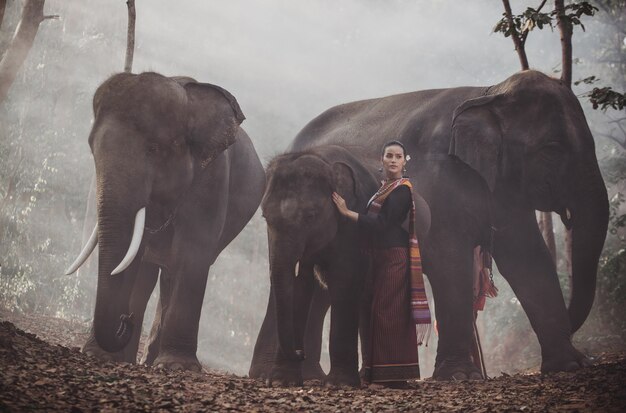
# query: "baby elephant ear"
{"points": [[214, 119], [345, 182], [477, 137]]}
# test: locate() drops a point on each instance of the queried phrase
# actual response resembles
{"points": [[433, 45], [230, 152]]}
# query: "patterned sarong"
{"points": [[392, 351], [419, 301]]}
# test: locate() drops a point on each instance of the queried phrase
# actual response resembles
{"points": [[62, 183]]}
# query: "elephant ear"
{"points": [[214, 117], [477, 137], [345, 183]]}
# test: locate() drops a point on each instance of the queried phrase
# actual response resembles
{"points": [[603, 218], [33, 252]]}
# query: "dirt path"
{"points": [[52, 375]]}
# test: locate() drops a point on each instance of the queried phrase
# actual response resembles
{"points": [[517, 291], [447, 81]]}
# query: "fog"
{"points": [[285, 61]]}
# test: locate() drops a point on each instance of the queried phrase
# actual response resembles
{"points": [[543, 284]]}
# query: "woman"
{"points": [[398, 297]]}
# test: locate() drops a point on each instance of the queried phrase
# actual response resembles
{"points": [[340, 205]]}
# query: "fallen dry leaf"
{"points": [[52, 375]]}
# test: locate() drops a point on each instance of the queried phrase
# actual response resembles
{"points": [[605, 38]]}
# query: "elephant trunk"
{"points": [[589, 220], [283, 259], [113, 325]]}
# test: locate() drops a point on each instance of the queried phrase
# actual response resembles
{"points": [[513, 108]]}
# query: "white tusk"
{"points": [[135, 242], [297, 267], [568, 214], [86, 252]]}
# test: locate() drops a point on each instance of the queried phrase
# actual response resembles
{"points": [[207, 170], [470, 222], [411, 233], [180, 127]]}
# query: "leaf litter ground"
{"points": [[47, 372]]}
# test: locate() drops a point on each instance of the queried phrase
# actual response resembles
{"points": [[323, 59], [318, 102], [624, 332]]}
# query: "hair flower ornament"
{"points": [[408, 158]]}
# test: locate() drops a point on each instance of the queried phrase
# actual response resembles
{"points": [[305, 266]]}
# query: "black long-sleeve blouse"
{"points": [[385, 230]]}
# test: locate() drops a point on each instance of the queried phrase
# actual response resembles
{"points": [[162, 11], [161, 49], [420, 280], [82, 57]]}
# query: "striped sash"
{"points": [[419, 301]]}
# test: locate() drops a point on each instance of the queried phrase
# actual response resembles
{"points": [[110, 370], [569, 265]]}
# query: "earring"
{"points": [[380, 169]]}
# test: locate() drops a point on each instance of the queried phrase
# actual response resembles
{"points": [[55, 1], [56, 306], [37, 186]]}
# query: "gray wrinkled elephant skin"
{"points": [[487, 157], [174, 147]]}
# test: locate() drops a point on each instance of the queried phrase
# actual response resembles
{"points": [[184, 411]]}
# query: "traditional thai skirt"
{"points": [[392, 353]]}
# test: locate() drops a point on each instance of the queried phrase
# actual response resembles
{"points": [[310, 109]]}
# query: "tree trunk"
{"points": [[546, 227], [3, 6], [130, 36], [23, 39], [568, 256], [519, 46], [565, 28]]}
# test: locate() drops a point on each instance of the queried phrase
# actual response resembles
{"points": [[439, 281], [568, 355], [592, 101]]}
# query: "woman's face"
{"points": [[393, 161]]}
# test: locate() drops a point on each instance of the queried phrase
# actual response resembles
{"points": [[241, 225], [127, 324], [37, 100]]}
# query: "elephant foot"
{"points": [[91, 348], [285, 374], [312, 371], [569, 360], [177, 362], [345, 377], [454, 370], [260, 372]]}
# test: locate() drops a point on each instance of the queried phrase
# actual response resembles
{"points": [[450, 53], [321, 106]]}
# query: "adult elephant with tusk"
{"points": [[177, 179], [488, 157]]}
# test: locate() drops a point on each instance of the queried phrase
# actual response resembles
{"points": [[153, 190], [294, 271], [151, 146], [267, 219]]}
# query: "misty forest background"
{"points": [[285, 61]]}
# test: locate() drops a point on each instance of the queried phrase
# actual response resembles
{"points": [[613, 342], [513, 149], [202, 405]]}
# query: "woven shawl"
{"points": [[419, 301]]}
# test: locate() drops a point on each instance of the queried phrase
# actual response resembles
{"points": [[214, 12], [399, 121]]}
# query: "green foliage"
{"points": [[606, 97], [614, 169], [607, 318], [616, 220], [522, 23], [574, 11], [531, 18], [45, 168], [589, 80]]}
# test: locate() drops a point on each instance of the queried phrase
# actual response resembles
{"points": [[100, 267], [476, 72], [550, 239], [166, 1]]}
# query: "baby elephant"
{"points": [[307, 235]]}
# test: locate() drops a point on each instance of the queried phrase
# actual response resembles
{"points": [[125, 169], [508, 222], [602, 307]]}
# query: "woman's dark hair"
{"points": [[393, 143]]}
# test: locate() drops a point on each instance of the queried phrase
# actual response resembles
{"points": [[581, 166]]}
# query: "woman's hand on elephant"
{"points": [[343, 208], [340, 202]]}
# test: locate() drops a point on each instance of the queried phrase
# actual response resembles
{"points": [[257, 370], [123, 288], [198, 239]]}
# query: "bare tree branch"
{"points": [[547, 231], [617, 120], [565, 28], [3, 6], [614, 139], [130, 36], [32, 16], [541, 6], [519, 47]]}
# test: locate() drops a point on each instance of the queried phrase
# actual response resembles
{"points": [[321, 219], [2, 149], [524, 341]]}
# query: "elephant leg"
{"points": [[451, 278], [267, 340], [151, 350], [266, 344], [345, 296], [181, 319], [289, 371], [320, 302], [523, 259], [144, 285]]}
